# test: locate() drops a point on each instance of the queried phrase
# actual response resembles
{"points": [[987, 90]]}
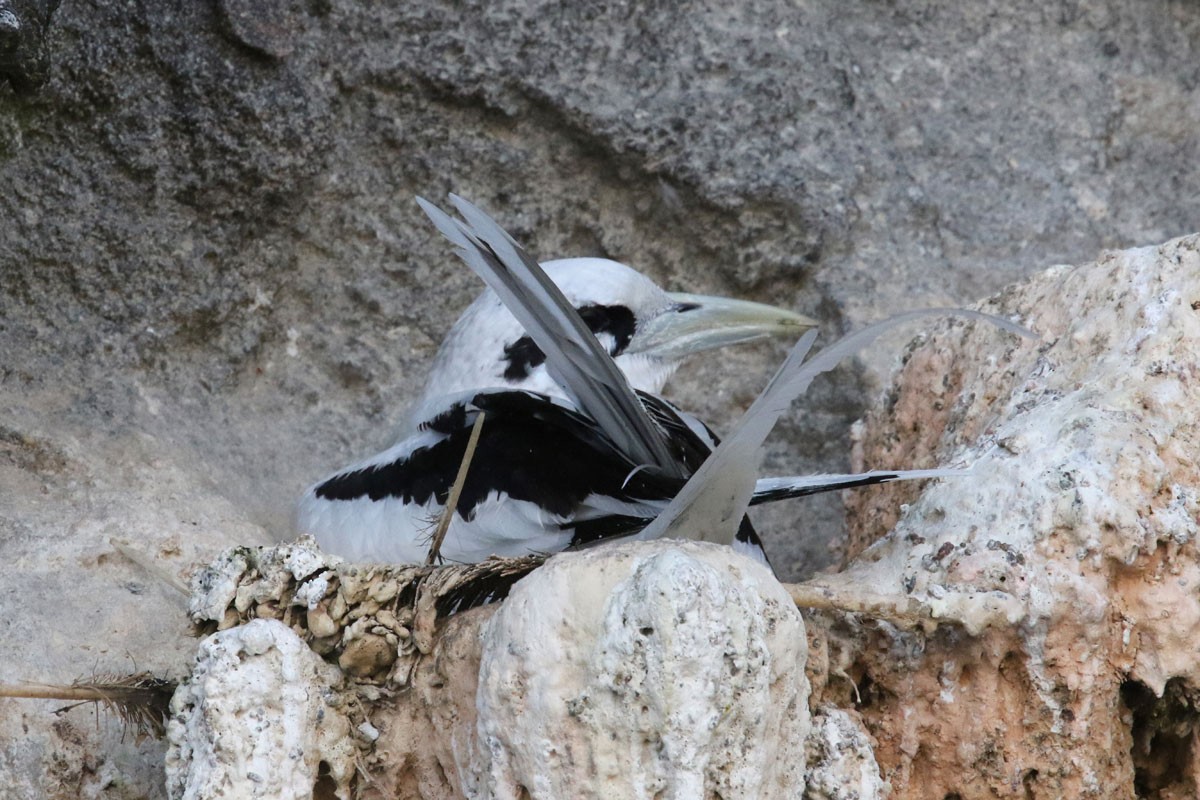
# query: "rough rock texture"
{"points": [[674, 669], [662, 669], [24, 43], [374, 620], [74, 606], [214, 285], [1084, 508], [259, 717], [1059, 588], [841, 760]]}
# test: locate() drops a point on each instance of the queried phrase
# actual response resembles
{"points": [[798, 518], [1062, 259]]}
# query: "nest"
{"points": [[372, 620]]}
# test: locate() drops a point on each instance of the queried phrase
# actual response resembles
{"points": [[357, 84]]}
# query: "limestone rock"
{"points": [[669, 668], [214, 289], [259, 717], [663, 669], [1083, 508], [1061, 581], [841, 760]]}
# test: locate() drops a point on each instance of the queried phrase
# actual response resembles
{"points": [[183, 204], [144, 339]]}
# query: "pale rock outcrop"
{"points": [[841, 760], [665, 669], [1083, 508], [214, 287], [260, 717], [661, 669], [1053, 601]]}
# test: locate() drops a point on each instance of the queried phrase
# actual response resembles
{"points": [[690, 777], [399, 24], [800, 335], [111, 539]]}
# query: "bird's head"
{"points": [[646, 330]]}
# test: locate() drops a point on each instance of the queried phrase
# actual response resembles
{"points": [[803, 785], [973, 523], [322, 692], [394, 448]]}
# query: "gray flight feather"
{"points": [[574, 357], [711, 504]]}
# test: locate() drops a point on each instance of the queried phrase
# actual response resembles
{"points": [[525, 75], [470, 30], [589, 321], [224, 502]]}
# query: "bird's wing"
{"points": [[616, 524], [531, 447], [573, 356], [710, 506]]}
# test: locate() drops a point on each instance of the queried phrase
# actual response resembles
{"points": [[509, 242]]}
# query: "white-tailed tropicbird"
{"points": [[568, 455], [540, 464]]}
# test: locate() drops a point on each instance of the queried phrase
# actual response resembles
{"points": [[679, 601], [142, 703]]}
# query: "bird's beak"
{"points": [[698, 322]]}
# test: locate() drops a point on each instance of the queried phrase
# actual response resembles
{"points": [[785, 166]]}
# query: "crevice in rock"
{"points": [[867, 693], [1164, 733], [325, 787], [1029, 782]]}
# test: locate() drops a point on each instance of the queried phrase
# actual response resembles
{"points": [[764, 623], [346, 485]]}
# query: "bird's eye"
{"points": [[680, 308]]}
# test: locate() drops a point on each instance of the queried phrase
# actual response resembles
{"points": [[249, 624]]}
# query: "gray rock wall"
{"points": [[215, 286]]}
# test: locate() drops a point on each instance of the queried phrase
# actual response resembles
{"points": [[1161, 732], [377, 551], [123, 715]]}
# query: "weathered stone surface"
{"points": [[25, 29], [214, 285], [260, 716], [686, 655], [1083, 509], [668, 668], [841, 760], [1062, 579]]}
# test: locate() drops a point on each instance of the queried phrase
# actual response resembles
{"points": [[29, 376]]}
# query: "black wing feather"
{"points": [[530, 448]]}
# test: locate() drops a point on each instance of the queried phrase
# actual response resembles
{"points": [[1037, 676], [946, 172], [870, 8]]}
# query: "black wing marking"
{"points": [[717, 494], [530, 448], [593, 531], [747, 535], [788, 492], [769, 490]]}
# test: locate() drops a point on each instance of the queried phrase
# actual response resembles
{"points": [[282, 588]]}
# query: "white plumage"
{"points": [[645, 330], [569, 454]]}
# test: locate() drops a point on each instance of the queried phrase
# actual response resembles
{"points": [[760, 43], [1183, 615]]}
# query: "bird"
{"points": [[711, 504], [647, 331], [539, 457], [576, 448]]}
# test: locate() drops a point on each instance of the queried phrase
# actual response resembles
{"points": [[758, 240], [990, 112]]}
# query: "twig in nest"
{"points": [[439, 535], [140, 700]]}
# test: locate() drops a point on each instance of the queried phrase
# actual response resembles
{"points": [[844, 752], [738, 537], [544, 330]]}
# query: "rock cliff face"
{"points": [[1084, 506], [214, 285], [1052, 595]]}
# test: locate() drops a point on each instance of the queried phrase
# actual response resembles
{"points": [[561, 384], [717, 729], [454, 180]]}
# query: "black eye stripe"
{"points": [[617, 321]]}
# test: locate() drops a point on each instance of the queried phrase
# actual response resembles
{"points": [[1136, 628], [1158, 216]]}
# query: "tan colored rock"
{"points": [[667, 667], [75, 606], [367, 654], [426, 730], [1083, 508]]}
